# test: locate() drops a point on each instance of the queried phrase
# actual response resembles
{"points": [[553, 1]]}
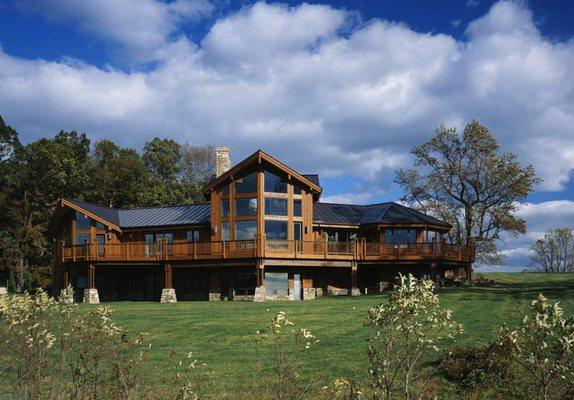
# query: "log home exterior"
{"points": [[263, 234]]}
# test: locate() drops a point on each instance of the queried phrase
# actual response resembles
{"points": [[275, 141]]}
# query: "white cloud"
{"points": [[141, 27], [349, 198], [310, 84]]}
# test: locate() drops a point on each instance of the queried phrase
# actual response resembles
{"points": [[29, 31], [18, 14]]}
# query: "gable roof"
{"points": [[257, 158], [382, 213], [189, 214]]}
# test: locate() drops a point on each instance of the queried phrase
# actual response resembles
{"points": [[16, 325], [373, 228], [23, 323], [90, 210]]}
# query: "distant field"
{"points": [[222, 334]]}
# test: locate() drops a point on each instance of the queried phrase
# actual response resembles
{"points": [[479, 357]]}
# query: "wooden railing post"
{"points": [[127, 248], [223, 249], [194, 251]]}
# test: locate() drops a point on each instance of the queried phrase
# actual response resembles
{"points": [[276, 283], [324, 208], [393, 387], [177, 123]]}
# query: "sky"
{"points": [[340, 88]]}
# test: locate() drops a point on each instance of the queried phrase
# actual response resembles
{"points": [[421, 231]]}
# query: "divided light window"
{"points": [[400, 236], [274, 183], [225, 231], [274, 206], [82, 238], [192, 236], [297, 230], [246, 206], [247, 184], [225, 208]]}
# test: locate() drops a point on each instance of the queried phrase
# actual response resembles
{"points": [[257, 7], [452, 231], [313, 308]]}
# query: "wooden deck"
{"points": [[261, 248]]}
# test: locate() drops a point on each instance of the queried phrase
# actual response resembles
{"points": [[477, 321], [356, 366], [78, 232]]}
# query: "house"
{"points": [[262, 234]]}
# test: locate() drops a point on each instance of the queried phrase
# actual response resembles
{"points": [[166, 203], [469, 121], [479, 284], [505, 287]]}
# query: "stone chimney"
{"points": [[222, 161]]}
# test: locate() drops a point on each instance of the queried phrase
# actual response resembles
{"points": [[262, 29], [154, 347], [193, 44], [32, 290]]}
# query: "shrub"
{"points": [[290, 350], [542, 347], [407, 332]]}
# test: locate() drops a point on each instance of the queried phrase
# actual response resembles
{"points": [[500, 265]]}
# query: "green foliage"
{"points": [[466, 181], [554, 252]]}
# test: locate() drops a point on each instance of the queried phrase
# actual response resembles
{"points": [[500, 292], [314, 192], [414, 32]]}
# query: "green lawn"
{"points": [[222, 334]]}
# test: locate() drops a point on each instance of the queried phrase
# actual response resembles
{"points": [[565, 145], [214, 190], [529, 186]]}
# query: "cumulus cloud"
{"points": [[312, 84], [142, 28]]}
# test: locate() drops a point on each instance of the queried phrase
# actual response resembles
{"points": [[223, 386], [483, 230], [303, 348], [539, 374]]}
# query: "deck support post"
{"points": [[214, 286], [434, 272], [168, 292], [468, 272], [91, 295], [259, 295], [355, 291]]}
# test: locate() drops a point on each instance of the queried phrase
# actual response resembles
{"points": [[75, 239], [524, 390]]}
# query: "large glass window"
{"points": [[225, 208], [82, 238], [247, 184], [400, 236], [100, 226], [225, 190], [245, 230], [154, 237], [297, 189], [277, 283], [297, 209], [297, 230], [275, 206], [192, 236], [246, 206], [276, 230], [82, 222], [274, 183], [225, 231]]}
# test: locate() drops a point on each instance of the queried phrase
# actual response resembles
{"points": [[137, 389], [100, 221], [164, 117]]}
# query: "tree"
{"points": [[197, 163], [162, 159], [554, 252], [117, 176], [465, 181], [407, 331]]}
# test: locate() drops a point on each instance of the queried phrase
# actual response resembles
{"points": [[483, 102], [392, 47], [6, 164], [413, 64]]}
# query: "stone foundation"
{"points": [[259, 294], [384, 286], [3, 291], [91, 296], [335, 291], [355, 292], [319, 292], [214, 295], [168, 296], [309, 293]]}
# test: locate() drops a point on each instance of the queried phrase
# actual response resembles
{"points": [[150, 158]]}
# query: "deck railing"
{"points": [[260, 247]]}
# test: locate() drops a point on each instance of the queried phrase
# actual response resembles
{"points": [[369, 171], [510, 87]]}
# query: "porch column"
{"points": [[168, 292], [260, 288], [214, 286], [468, 272], [433, 272], [355, 291], [91, 293]]}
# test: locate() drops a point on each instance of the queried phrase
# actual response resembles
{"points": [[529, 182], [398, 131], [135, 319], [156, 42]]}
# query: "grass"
{"points": [[222, 334]]}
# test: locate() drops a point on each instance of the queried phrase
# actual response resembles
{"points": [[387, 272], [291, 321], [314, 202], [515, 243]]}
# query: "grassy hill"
{"points": [[222, 334]]}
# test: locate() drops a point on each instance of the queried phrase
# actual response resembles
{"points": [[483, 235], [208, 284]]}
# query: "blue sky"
{"points": [[355, 83]]}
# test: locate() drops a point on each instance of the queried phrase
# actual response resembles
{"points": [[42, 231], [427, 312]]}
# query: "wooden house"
{"points": [[262, 234]]}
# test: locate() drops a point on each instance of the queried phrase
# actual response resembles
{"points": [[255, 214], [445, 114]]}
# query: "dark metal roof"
{"points": [[313, 178], [383, 213], [109, 214], [189, 214]]}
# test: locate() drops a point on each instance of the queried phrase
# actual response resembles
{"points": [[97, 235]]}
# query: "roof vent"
{"points": [[222, 161]]}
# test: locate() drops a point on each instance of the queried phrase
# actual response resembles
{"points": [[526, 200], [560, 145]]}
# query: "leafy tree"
{"points": [[466, 181], [197, 163], [117, 176], [162, 159], [554, 252]]}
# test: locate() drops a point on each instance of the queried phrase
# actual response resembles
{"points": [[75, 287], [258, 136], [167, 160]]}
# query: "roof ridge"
{"points": [[166, 206]]}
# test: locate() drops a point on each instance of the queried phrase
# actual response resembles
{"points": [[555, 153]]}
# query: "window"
{"points": [[82, 222], [431, 236], [150, 238], [192, 236], [225, 208], [101, 239], [277, 283], [400, 236], [245, 230], [297, 210], [297, 230], [225, 190], [247, 184], [82, 238], [275, 206], [274, 183], [100, 226], [246, 206], [276, 230], [297, 189], [225, 231]]}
